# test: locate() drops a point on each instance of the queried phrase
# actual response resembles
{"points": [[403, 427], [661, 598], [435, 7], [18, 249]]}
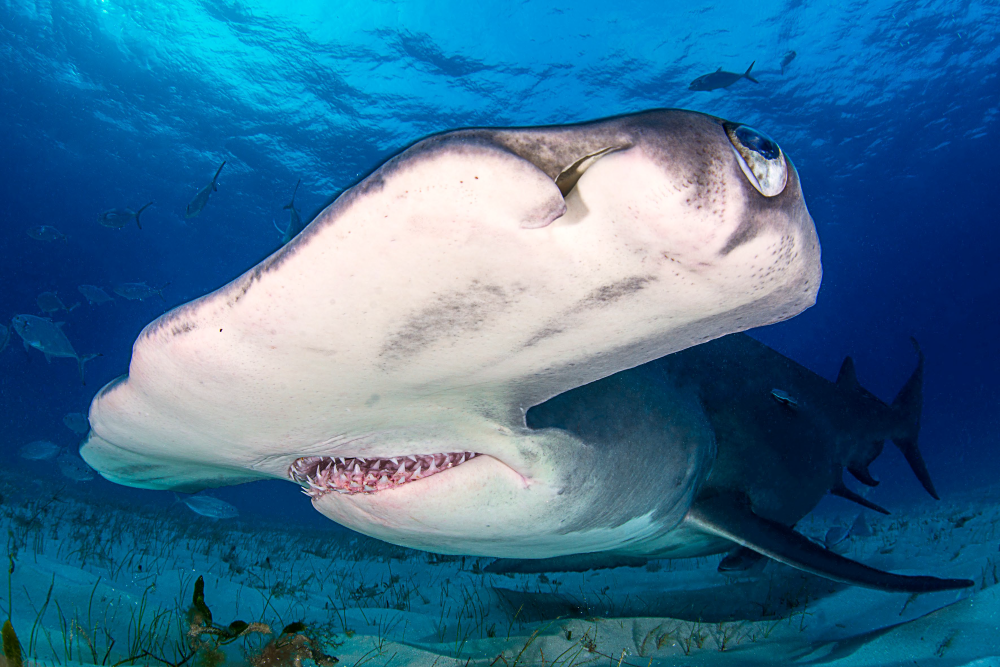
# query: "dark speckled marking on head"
{"points": [[616, 291], [450, 316]]}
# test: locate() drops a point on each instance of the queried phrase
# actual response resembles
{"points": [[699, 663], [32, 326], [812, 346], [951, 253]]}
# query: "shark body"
{"points": [[385, 358]]}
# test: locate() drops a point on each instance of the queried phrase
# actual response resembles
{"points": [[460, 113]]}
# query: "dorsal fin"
{"points": [[848, 378], [725, 516]]}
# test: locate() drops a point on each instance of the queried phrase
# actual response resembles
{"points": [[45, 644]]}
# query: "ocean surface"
{"points": [[889, 111]]}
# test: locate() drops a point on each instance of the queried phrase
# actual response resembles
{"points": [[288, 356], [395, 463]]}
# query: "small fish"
{"points": [[139, 291], [835, 536], [295, 223], [784, 398], [860, 527], [787, 60], [73, 467], [77, 422], [45, 336], [200, 199], [208, 506], [719, 79], [95, 295], [49, 303], [39, 450], [46, 233], [117, 218]]}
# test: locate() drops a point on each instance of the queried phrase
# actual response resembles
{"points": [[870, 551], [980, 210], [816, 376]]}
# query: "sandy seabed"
{"points": [[98, 584]]}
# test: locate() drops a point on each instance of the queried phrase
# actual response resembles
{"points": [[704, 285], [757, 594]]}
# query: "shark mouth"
{"points": [[320, 475]]}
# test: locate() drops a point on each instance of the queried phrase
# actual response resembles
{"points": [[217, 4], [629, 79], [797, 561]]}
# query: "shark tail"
{"points": [[907, 405], [139, 212], [83, 360], [215, 187], [747, 73]]}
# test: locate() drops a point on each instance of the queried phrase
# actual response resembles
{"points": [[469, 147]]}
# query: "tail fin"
{"points": [[219, 170], [139, 212], [162, 287], [84, 359], [291, 204], [907, 405], [746, 74]]}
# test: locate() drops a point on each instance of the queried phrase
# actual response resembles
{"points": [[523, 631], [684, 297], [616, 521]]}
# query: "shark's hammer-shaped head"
{"points": [[386, 357]]}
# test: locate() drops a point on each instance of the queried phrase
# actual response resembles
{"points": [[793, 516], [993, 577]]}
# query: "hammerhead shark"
{"points": [[388, 358]]}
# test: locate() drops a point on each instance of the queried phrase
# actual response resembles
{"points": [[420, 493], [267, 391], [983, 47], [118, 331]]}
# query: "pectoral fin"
{"points": [[729, 517]]}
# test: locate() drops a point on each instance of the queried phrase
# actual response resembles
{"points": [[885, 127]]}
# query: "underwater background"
{"points": [[889, 110]]}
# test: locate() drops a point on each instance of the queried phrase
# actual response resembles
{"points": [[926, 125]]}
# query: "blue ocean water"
{"points": [[889, 111]]}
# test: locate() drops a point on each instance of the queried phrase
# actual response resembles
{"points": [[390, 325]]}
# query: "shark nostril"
{"points": [[320, 475]]}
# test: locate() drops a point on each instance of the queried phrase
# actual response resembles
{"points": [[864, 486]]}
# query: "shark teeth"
{"points": [[320, 475]]}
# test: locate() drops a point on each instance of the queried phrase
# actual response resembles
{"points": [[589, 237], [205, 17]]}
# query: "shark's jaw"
{"points": [[321, 475]]}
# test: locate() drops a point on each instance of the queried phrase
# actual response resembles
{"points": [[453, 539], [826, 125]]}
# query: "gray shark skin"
{"points": [[295, 224], [385, 357], [773, 459], [196, 205], [117, 218], [719, 79], [48, 338]]}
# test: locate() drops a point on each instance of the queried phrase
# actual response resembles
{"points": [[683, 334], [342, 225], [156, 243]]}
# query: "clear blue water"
{"points": [[889, 111]]}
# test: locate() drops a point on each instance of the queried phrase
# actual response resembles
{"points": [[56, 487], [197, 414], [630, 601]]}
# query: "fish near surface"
{"points": [[48, 338], [72, 467], [719, 79], [196, 205], [40, 450], [295, 220], [46, 233], [76, 422], [773, 458], [117, 218], [385, 357], [95, 295], [139, 291], [50, 303]]}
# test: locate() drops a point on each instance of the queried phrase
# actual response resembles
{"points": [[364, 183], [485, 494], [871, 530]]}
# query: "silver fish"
{"points": [[295, 222], [45, 336], [49, 303], [200, 199], [94, 294], [117, 218], [77, 422], [835, 536], [208, 506], [719, 79], [39, 450], [139, 291], [73, 467], [46, 233], [786, 61]]}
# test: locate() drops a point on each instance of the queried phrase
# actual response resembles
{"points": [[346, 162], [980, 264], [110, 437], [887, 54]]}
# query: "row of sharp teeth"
{"points": [[321, 475]]}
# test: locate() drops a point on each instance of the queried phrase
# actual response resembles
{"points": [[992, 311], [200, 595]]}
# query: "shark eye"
{"points": [[760, 159]]}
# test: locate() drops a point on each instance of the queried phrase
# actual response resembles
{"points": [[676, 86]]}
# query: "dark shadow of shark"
{"points": [[784, 437]]}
